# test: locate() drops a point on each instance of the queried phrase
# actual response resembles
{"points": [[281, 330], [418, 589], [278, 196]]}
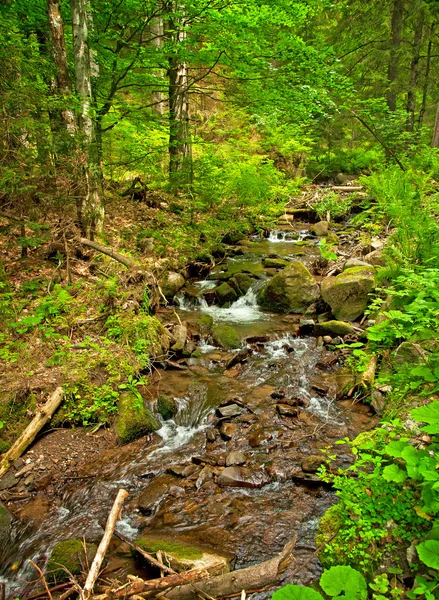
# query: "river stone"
{"points": [[241, 282], [275, 263], [320, 228], [243, 477], [348, 293], [150, 498], [408, 353], [290, 291], [225, 293], [171, 283], [226, 336], [355, 262], [311, 464], [375, 258], [167, 407], [231, 410], [257, 435], [333, 328], [70, 554], [228, 430], [8, 481], [285, 410], [133, 419], [5, 524], [235, 458]]}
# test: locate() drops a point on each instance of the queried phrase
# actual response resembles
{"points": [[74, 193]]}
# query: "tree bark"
{"points": [[435, 140], [414, 69], [393, 66], [63, 81], [180, 143], [42, 416], [426, 78], [90, 205]]}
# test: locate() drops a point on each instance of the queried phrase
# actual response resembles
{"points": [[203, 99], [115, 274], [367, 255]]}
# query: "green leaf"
{"points": [[394, 473], [337, 580], [428, 552], [427, 414], [296, 592], [395, 448], [424, 372]]}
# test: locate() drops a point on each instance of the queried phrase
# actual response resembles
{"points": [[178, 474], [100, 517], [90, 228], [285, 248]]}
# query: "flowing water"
{"points": [[188, 452]]}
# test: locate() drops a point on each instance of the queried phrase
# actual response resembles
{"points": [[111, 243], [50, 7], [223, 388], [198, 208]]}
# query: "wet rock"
{"points": [[246, 418], [8, 481], [167, 407], [375, 258], [206, 459], [225, 293], [408, 353], [243, 477], [290, 291], [278, 394], [311, 464], [5, 524], [231, 410], [133, 419], [257, 339], [327, 339], [180, 336], [238, 357], [348, 293], [306, 326], [228, 430], [321, 388], [151, 497], [182, 470], [285, 410], [241, 282], [275, 263], [171, 283], [333, 328], [226, 336], [210, 435], [69, 554], [257, 435], [172, 519], [42, 482], [235, 458], [355, 262], [234, 371], [206, 322], [320, 229]]}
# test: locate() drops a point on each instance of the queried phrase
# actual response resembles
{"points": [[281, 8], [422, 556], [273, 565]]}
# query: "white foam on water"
{"points": [[243, 310], [282, 235], [126, 529]]}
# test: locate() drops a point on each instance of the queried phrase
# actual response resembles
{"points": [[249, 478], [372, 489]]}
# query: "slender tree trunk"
{"points": [[157, 34], [414, 69], [426, 78], [435, 140], [90, 207], [63, 82], [393, 66], [180, 143]]}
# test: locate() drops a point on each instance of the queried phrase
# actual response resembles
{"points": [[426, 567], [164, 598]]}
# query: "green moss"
{"points": [[4, 446], [226, 336], [348, 293], [70, 554], [167, 407], [290, 291], [333, 328], [225, 293], [330, 553], [134, 420], [177, 549], [206, 322]]}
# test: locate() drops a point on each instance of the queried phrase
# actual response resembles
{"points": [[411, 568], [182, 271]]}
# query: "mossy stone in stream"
{"points": [[226, 337], [290, 291], [133, 420], [348, 293], [69, 554], [206, 322], [333, 328], [167, 407], [331, 552], [225, 293], [181, 556], [241, 282]]}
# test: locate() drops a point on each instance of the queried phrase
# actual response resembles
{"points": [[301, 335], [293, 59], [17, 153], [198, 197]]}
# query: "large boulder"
{"points": [[333, 328], [226, 336], [348, 293], [225, 294], [171, 283], [133, 419], [241, 282], [290, 291]]}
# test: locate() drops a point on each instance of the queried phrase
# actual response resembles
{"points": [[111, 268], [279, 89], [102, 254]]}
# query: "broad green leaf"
{"points": [[427, 414], [337, 580], [410, 455], [394, 473], [395, 448], [296, 592], [428, 552], [424, 372]]}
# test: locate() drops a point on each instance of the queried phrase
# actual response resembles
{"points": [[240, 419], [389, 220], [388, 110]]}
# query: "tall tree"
{"points": [[90, 205], [395, 44]]}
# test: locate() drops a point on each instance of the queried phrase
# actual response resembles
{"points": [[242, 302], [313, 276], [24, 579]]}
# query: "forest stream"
{"points": [[235, 469]]}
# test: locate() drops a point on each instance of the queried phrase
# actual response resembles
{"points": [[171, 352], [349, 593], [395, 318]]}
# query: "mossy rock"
{"points": [[320, 229], [70, 554], [275, 263], [147, 330], [225, 293], [241, 282], [171, 283], [226, 336], [167, 407], [206, 322], [348, 293], [5, 524], [133, 420], [181, 556], [332, 238], [331, 553], [334, 328], [290, 291]]}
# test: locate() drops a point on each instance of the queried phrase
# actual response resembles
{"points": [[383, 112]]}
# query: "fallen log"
{"points": [[347, 188], [125, 260], [113, 517], [42, 416], [152, 561]]}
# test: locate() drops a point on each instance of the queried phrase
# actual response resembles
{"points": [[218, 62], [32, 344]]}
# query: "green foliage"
{"points": [[333, 203], [326, 251], [337, 582]]}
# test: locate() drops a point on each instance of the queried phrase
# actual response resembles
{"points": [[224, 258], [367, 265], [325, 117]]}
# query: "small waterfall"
{"points": [[284, 235], [243, 310]]}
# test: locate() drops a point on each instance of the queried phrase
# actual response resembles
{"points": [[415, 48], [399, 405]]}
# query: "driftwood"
{"points": [[125, 260], [43, 415], [113, 517], [265, 574]]}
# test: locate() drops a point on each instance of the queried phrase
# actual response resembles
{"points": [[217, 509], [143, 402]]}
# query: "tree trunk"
{"points": [[435, 140], [414, 69], [90, 206], [63, 82], [426, 78], [180, 143], [157, 35], [392, 70]]}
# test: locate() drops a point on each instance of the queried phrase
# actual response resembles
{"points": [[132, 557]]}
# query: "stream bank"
{"points": [[235, 468]]}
